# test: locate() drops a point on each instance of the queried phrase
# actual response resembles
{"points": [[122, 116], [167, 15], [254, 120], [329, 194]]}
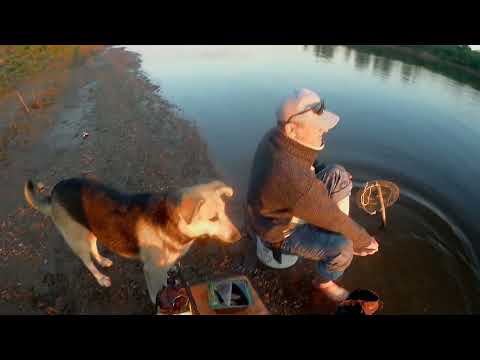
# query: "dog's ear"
{"points": [[189, 207], [181, 204], [222, 189]]}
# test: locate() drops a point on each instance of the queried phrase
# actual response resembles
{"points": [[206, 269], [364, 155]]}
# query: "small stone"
{"points": [[40, 290], [51, 311], [41, 305], [60, 303]]}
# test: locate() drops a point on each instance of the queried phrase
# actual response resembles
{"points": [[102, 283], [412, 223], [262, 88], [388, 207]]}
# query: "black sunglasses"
{"points": [[317, 108]]}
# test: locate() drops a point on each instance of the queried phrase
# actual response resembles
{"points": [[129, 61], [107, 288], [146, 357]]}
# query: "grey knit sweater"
{"points": [[282, 185]]}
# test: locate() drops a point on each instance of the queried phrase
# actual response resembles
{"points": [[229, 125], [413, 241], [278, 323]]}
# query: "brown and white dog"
{"points": [[154, 228]]}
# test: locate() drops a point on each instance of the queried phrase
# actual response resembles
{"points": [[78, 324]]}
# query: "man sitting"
{"points": [[299, 206]]}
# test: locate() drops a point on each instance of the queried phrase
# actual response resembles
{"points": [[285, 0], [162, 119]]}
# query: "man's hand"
{"points": [[371, 249]]}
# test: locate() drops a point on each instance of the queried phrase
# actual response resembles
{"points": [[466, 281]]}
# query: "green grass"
{"points": [[19, 62]]}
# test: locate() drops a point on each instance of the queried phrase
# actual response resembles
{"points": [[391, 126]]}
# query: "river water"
{"points": [[399, 121]]}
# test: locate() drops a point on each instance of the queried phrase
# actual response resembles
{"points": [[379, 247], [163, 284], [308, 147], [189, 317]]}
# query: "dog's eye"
{"points": [[215, 218]]}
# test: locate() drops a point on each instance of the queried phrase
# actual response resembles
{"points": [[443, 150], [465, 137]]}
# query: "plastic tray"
{"points": [[243, 285]]}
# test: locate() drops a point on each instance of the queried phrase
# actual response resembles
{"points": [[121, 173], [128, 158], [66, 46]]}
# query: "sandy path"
{"points": [[136, 142]]}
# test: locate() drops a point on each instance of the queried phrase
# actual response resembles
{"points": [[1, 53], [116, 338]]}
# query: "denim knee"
{"points": [[338, 259], [344, 256], [337, 181]]}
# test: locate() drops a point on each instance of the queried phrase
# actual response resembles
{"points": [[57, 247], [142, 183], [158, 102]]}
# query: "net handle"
{"points": [[382, 204]]}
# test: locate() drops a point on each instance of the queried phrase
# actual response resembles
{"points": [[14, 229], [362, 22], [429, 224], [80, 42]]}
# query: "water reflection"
{"points": [[347, 53], [323, 51], [362, 60], [406, 70], [382, 66]]}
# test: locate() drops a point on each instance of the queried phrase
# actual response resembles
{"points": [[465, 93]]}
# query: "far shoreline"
{"points": [[404, 54]]}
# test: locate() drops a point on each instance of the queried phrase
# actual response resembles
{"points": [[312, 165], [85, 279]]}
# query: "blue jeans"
{"points": [[332, 251]]}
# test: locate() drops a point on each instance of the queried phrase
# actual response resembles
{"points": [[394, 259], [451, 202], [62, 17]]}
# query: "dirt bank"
{"points": [[136, 142]]}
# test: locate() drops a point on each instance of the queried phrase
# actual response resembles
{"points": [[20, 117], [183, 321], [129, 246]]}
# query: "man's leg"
{"points": [[331, 289], [337, 181], [332, 252]]}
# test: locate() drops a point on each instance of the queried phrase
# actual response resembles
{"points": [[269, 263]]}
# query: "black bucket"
{"points": [[360, 302]]}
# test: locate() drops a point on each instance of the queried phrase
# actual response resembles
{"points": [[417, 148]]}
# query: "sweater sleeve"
{"points": [[316, 208]]}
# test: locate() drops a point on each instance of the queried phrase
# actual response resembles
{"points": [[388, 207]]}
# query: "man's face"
{"points": [[306, 134]]}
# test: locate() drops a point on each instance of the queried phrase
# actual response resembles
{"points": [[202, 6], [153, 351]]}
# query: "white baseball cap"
{"points": [[297, 106]]}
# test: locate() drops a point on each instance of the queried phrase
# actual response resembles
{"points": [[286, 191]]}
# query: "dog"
{"points": [[155, 228]]}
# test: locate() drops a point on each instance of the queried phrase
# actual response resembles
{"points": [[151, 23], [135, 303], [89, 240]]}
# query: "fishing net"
{"points": [[367, 198]]}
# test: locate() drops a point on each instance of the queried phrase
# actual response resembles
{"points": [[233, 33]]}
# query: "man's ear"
{"points": [[189, 207], [290, 130]]}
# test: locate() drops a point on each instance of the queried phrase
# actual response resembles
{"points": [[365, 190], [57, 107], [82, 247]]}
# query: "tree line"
{"points": [[457, 54]]}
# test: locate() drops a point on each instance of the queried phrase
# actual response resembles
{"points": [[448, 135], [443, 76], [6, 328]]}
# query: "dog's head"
{"points": [[201, 212]]}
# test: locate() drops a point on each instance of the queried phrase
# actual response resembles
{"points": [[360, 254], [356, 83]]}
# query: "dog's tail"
{"points": [[37, 201]]}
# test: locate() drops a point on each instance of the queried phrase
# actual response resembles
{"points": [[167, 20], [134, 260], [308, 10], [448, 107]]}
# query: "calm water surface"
{"points": [[399, 122]]}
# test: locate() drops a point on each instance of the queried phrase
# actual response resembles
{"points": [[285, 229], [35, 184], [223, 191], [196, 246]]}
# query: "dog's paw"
{"points": [[104, 262], [104, 281]]}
